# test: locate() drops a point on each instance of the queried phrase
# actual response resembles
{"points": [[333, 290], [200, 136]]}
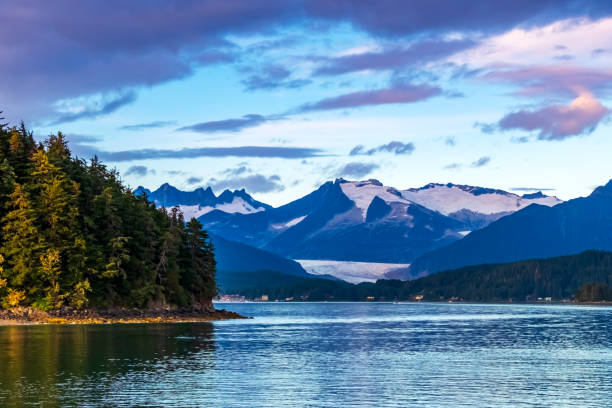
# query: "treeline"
{"points": [[585, 277], [73, 235]]}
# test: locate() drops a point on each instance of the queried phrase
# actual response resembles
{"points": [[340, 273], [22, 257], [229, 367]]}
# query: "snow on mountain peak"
{"points": [[237, 205], [450, 198], [363, 192], [201, 201]]}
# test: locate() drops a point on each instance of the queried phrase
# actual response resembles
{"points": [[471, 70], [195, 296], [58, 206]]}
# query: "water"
{"points": [[321, 355]]}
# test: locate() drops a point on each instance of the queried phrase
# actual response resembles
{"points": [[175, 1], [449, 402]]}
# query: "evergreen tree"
{"points": [[59, 214], [169, 269], [22, 242], [50, 268], [199, 266], [72, 234]]}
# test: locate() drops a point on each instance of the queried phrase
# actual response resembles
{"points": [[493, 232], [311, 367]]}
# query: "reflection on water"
{"points": [[78, 365], [332, 355]]}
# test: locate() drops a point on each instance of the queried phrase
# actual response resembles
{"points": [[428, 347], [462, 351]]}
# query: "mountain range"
{"points": [[363, 220], [342, 220], [586, 277], [200, 201], [536, 231]]}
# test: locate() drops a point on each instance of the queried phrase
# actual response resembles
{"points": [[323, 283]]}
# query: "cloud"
{"points": [[144, 126], [488, 128], [398, 93], [236, 171], [394, 147], [356, 169], [272, 77], [139, 171], [453, 166], [194, 180], [483, 161], [175, 172], [228, 125], [398, 18], [394, 58], [81, 139], [534, 189], [83, 150], [215, 57], [450, 141], [600, 51], [110, 45], [98, 108], [254, 183], [556, 80], [558, 122]]}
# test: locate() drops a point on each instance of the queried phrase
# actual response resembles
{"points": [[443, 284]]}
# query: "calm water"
{"points": [[321, 355]]}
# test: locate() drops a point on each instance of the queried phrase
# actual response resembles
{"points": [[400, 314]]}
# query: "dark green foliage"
{"points": [[72, 234], [594, 292], [557, 278]]}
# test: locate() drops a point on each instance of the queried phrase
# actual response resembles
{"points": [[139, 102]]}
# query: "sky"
{"points": [[280, 96]]}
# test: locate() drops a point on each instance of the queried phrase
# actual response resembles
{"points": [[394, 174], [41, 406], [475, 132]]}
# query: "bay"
{"points": [[321, 355]]}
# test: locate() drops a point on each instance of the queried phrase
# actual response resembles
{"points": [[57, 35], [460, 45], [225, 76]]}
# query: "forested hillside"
{"points": [[73, 235], [585, 277]]}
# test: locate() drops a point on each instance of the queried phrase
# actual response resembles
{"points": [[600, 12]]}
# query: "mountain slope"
{"points": [[529, 280], [533, 232], [342, 220], [258, 229], [475, 206], [235, 256], [241, 266]]}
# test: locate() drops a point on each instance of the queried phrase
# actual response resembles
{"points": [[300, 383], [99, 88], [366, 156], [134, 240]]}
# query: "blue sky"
{"points": [[281, 96]]}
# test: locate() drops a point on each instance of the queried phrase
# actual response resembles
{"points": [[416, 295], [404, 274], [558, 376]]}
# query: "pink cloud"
{"points": [[553, 79], [558, 122], [393, 94]]}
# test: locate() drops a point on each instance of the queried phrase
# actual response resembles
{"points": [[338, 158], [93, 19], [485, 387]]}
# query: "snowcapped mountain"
{"points": [[202, 201], [363, 193], [342, 220], [475, 206], [537, 231], [357, 221]]}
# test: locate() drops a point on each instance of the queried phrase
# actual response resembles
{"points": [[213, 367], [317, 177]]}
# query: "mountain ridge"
{"points": [[200, 201], [343, 220], [535, 231]]}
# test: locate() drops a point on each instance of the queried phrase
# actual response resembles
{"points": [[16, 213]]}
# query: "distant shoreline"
{"points": [[29, 316], [464, 302]]}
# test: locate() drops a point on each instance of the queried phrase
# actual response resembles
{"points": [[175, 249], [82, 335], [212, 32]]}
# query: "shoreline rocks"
{"points": [[113, 316]]}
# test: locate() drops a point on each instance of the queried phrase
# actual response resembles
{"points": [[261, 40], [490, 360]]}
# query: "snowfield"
{"points": [[443, 198], [238, 205], [353, 272], [447, 199], [363, 192]]}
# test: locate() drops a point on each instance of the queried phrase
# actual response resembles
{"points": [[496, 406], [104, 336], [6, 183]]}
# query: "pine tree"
{"points": [[20, 147], [117, 253], [22, 242], [199, 268], [50, 269], [59, 215], [72, 234], [2, 280], [7, 184]]}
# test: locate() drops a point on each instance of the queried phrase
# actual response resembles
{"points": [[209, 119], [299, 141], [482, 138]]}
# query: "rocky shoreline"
{"points": [[20, 316]]}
